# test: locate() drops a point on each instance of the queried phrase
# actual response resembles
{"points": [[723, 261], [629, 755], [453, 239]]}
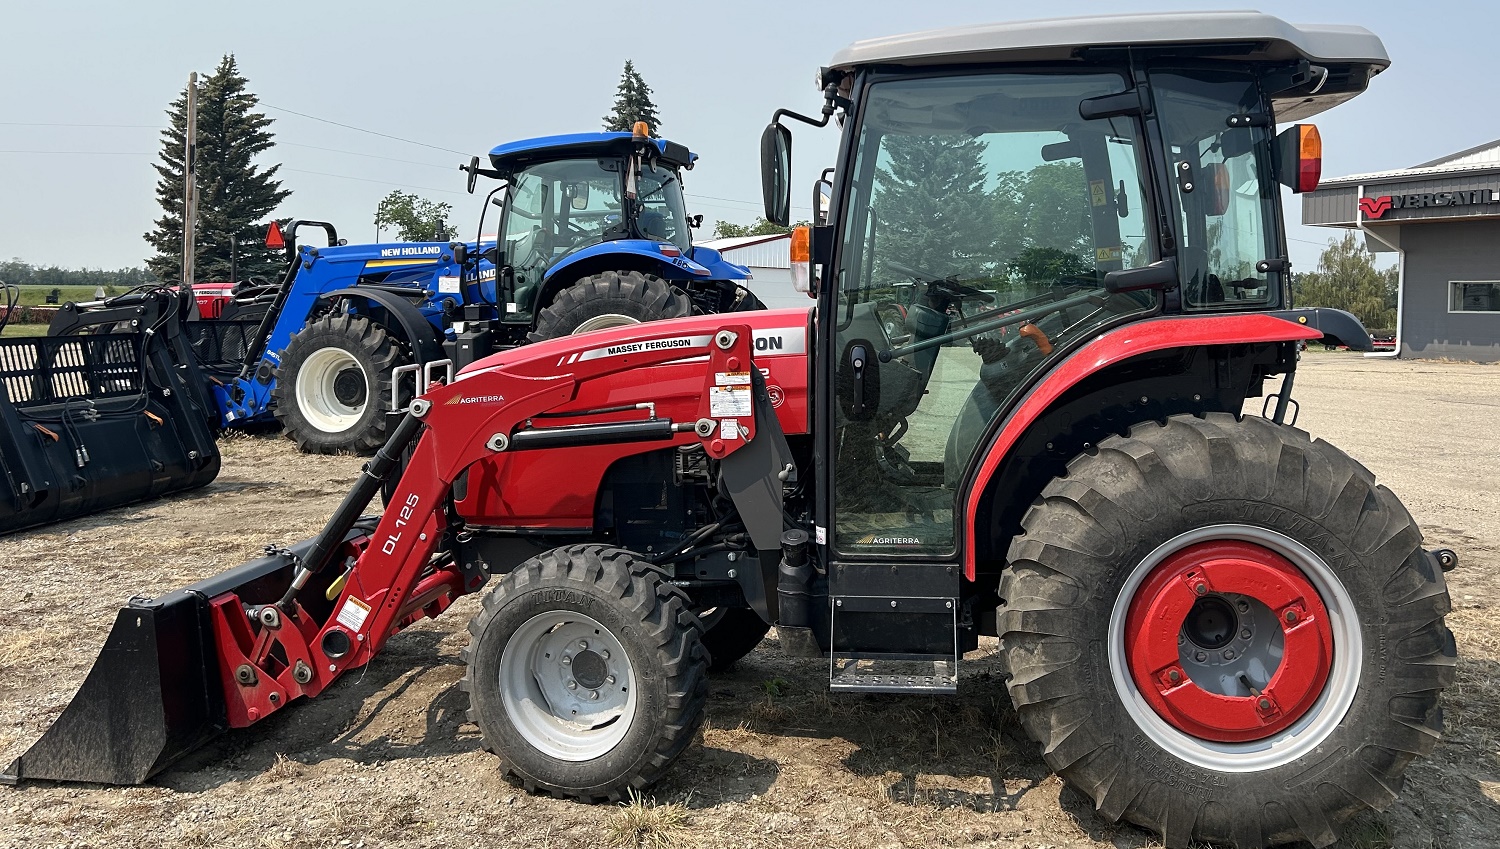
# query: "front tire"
{"points": [[1223, 631], [609, 299], [586, 673], [333, 386]]}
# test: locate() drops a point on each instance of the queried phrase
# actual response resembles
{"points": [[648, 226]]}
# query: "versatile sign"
{"points": [[1378, 207]]}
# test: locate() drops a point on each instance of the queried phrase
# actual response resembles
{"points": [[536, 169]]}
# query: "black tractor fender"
{"points": [[414, 328], [1338, 327]]}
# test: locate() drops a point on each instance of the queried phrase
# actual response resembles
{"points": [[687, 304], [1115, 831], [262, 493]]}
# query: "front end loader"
{"points": [[1051, 276]]}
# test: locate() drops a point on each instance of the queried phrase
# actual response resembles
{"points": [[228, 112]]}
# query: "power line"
{"points": [[361, 129], [37, 124], [377, 182], [81, 152], [368, 155]]}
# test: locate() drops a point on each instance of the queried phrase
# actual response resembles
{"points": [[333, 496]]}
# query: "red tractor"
{"points": [[1051, 272]]}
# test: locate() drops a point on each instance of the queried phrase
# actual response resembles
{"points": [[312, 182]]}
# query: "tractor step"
{"points": [[893, 674]]}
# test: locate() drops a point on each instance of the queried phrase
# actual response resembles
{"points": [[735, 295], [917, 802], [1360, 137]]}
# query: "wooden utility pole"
{"points": [[190, 184]]}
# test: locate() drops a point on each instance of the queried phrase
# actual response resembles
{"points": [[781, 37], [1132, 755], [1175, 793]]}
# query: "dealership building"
{"points": [[1442, 220]]}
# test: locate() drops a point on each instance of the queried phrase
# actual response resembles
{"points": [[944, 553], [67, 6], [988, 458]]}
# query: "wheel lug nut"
{"points": [[1245, 634], [1180, 638], [594, 695], [1229, 654], [609, 679], [1201, 589], [583, 644], [1291, 617], [572, 685], [604, 654], [1174, 676], [1200, 657], [1265, 704], [1244, 606], [566, 661]]}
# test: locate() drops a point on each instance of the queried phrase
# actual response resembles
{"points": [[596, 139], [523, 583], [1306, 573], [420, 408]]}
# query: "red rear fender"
{"points": [[1108, 349]]}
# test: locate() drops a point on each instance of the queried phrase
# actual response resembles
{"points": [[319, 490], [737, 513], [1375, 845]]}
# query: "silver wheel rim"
{"points": [[1307, 733], [604, 322], [316, 397], [567, 686]]}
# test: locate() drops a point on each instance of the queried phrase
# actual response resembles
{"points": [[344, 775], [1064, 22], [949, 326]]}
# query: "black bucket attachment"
{"points": [[110, 414], [155, 693]]}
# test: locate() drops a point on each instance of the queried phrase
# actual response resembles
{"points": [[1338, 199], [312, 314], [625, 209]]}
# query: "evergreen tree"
{"points": [[934, 213], [234, 196], [1347, 279], [632, 103]]}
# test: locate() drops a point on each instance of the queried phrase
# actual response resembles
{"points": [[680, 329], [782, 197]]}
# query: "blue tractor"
{"points": [[593, 233]]}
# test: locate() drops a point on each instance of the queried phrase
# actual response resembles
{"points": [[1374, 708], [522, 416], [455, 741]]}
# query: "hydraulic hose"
{"points": [[371, 477]]}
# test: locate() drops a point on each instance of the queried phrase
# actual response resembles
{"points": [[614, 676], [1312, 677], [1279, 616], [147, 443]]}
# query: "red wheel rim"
{"points": [[1155, 641]]}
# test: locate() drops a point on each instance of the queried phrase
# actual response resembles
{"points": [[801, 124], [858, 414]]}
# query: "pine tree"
{"points": [[632, 103], [234, 196], [934, 212]]}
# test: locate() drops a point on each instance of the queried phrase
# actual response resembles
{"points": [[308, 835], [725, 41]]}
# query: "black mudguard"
{"points": [[1338, 327]]}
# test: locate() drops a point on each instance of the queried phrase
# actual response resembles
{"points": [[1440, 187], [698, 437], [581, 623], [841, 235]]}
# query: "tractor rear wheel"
{"points": [[1223, 631], [733, 632], [333, 387], [609, 299], [586, 673]]}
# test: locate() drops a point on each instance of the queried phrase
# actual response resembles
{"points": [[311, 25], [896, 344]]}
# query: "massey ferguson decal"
{"points": [[1379, 206]]}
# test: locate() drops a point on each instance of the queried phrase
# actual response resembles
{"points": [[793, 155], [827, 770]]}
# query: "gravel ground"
{"points": [[386, 757]]}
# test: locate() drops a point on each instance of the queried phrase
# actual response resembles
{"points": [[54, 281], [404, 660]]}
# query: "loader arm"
{"points": [[267, 630]]}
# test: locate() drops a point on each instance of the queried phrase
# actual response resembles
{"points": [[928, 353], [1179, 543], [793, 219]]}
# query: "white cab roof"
{"points": [[1060, 38]]}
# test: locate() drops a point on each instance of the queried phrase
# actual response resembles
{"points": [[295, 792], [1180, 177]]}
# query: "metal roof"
{"points": [[1485, 157], [1060, 38], [771, 251]]}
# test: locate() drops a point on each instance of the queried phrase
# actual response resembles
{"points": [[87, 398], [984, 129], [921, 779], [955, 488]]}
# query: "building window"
{"points": [[1474, 296]]}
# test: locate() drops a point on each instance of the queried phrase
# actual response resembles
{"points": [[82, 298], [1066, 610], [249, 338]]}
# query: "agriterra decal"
{"points": [[1378, 207]]}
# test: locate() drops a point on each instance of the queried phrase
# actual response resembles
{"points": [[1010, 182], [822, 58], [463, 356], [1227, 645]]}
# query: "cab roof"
{"points": [[1351, 54], [513, 156]]}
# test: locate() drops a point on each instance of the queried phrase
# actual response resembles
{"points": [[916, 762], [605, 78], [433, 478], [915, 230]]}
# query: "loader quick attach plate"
{"points": [[154, 693]]}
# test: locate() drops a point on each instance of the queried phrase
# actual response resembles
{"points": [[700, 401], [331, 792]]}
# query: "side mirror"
{"points": [[822, 199], [473, 170], [1299, 157], [776, 173], [578, 194], [460, 252]]}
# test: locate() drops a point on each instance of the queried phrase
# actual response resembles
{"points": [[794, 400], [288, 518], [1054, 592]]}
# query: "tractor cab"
{"points": [[580, 203], [1006, 193]]}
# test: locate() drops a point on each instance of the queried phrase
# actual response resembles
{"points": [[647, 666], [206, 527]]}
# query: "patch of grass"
{"points": [[776, 687], [36, 296], [1367, 832], [643, 824], [15, 329]]}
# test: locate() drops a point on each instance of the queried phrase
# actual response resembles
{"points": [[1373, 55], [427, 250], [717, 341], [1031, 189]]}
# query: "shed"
{"points": [[770, 261]]}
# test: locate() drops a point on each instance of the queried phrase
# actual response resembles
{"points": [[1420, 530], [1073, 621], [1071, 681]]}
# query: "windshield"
{"points": [[554, 209], [1222, 187], [662, 216], [983, 213]]}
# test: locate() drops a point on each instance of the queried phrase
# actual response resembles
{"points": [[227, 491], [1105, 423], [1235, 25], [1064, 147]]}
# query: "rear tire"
{"points": [[1163, 559], [609, 623], [333, 386], [609, 299]]}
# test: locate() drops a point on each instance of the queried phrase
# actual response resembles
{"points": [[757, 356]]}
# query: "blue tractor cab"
{"points": [[593, 233]]}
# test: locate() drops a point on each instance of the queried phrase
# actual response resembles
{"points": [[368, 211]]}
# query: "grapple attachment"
{"points": [[111, 412]]}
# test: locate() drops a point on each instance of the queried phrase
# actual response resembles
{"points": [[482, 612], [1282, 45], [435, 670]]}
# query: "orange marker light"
{"points": [[1309, 158], [801, 256], [640, 131]]}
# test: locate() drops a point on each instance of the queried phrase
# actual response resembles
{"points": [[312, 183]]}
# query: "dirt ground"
{"points": [[387, 759]]}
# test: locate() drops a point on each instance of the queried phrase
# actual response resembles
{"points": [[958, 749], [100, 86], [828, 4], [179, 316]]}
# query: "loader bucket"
{"points": [[99, 419], [155, 692]]}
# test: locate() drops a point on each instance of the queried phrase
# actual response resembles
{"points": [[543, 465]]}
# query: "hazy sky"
{"points": [[86, 85]]}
